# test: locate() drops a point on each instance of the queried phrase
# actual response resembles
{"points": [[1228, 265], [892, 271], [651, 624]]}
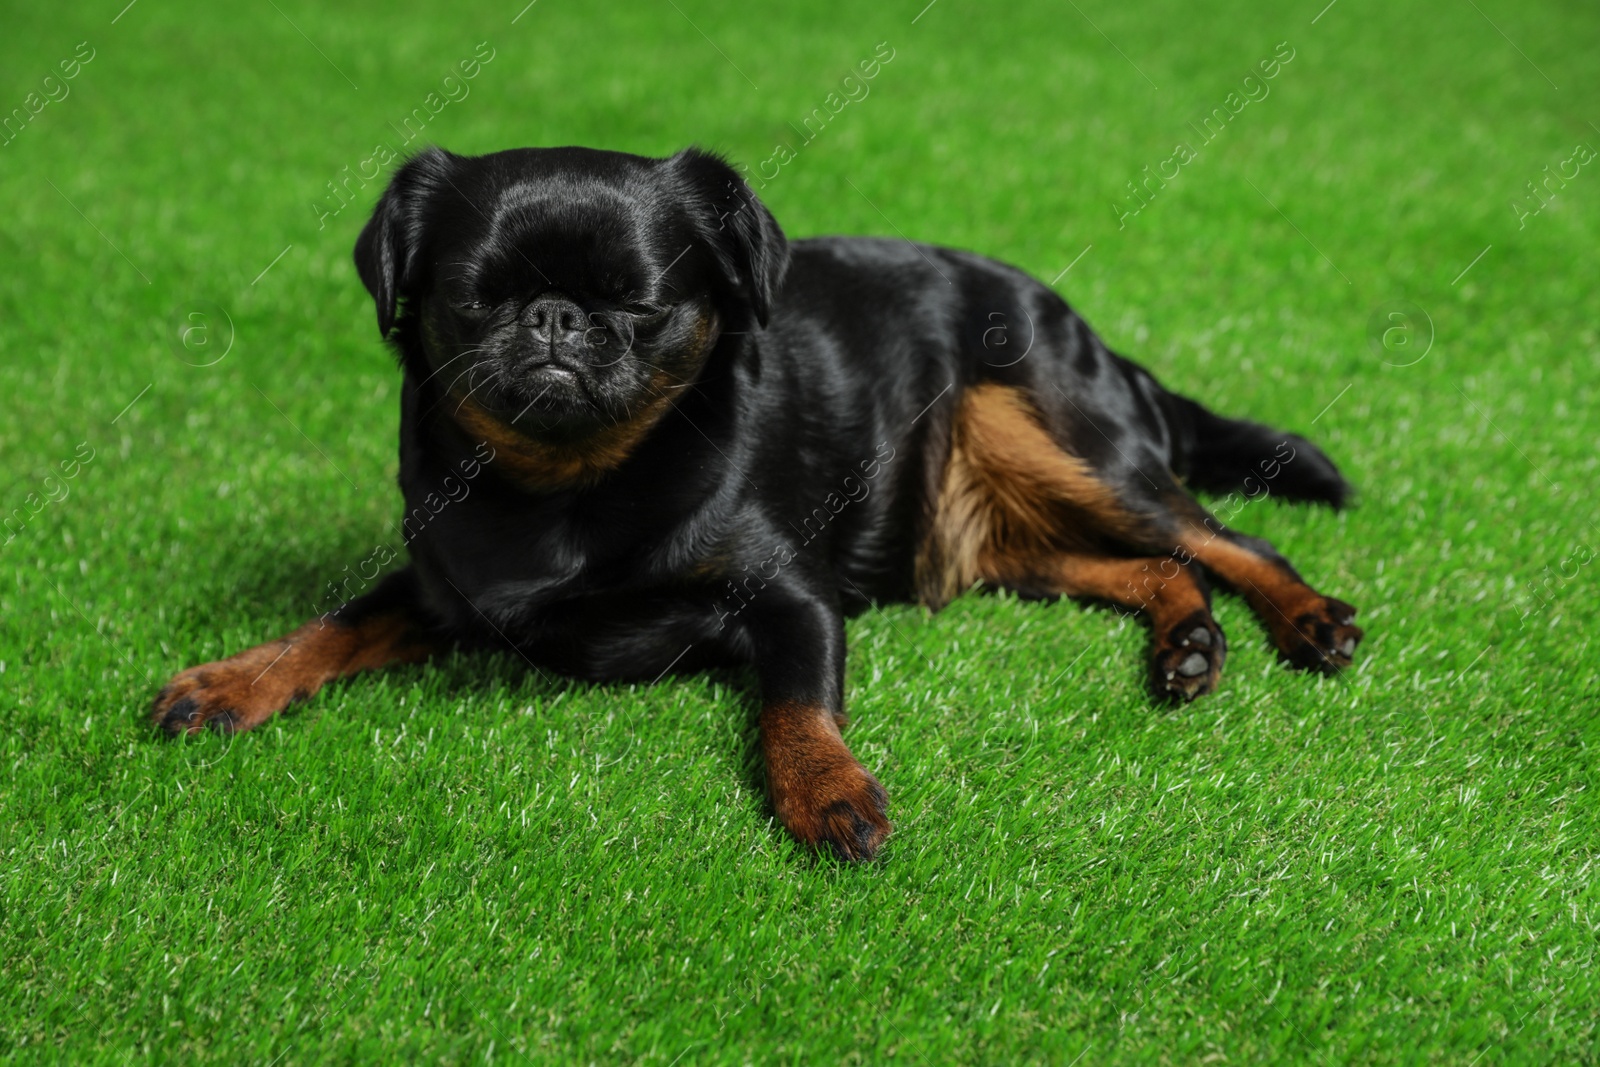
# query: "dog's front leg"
{"points": [[246, 689], [821, 793]]}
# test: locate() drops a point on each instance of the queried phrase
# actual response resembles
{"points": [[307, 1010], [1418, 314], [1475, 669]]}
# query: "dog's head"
{"points": [[568, 289]]}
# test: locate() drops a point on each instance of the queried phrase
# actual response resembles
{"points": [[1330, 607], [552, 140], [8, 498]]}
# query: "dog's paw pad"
{"points": [[1324, 637], [1187, 658]]}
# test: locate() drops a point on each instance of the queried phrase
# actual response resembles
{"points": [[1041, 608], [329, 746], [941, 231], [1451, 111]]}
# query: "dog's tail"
{"points": [[1222, 455]]}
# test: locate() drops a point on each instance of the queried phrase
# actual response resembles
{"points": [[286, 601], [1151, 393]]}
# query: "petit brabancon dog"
{"points": [[693, 443]]}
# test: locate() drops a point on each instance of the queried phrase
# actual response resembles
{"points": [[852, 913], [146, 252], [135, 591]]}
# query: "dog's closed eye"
{"points": [[644, 309], [471, 313], [646, 316]]}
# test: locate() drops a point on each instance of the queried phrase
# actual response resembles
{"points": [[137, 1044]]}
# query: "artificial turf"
{"points": [[462, 862]]}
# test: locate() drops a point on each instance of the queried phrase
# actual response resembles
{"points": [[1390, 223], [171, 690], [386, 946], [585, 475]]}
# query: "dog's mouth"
{"points": [[541, 398]]}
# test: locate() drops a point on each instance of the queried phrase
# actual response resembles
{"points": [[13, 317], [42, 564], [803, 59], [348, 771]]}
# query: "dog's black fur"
{"points": [[643, 431]]}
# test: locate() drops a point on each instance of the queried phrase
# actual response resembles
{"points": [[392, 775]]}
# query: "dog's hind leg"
{"points": [[1015, 510], [1187, 648], [1310, 631]]}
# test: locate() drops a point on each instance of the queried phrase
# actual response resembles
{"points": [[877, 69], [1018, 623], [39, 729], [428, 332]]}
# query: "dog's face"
{"points": [[565, 290]]}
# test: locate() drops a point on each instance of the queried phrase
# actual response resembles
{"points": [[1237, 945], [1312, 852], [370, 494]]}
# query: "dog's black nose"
{"points": [[555, 320]]}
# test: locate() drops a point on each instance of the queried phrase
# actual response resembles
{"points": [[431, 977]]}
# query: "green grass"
{"points": [[461, 863]]}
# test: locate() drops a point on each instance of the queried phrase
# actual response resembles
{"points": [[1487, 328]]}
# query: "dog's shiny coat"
{"points": [[702, 444]]}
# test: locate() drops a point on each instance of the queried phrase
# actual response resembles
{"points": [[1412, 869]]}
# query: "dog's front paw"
{"points": [[1323, 638], [227, 696], [1187, 659], [822, 794], [845, 813]]}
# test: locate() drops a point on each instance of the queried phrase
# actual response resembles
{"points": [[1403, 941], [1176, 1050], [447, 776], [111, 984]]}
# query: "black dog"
{"points": [[640, 431]]}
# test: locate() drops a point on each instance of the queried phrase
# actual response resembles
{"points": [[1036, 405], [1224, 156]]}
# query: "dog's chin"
{"points": [[549, 403]]}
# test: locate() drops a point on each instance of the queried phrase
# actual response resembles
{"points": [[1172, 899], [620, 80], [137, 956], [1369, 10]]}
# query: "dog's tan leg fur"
{"points": [[1016, 510], [246, 689]]}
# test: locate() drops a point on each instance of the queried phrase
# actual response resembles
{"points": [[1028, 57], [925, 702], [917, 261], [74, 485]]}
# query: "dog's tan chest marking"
{"points": [[539, 465]]}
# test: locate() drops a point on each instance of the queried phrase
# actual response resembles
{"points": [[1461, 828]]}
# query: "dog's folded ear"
{"points": [[387, 250], [736, 227]]}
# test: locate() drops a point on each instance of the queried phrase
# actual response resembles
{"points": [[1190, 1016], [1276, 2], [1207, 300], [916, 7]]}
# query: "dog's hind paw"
{"points": [[1186, 660], [1323, 638]]}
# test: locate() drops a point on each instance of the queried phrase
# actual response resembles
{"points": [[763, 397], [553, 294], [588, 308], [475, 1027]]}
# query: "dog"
{"points": [[641, 432]]}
